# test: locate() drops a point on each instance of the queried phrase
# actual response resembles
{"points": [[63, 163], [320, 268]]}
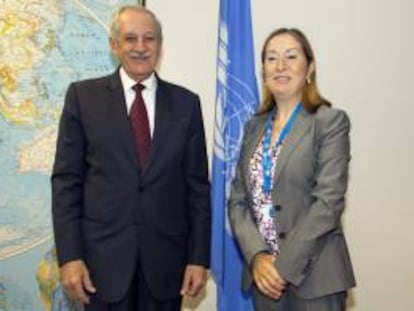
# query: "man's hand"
{"points": [[267, 278], [75, 279], [195, 277]]}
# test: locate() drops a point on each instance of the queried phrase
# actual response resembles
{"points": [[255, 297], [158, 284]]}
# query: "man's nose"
{"points": [[139, 44]]}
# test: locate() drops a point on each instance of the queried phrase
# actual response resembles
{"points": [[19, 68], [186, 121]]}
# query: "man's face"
{"points": [[137, 46]]}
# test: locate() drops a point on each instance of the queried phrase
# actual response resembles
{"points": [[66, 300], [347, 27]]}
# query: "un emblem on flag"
{"points": [[235, 103], [229, 124]]}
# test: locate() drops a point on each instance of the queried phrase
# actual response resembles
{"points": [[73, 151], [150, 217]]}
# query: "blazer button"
{"points": [[278, 208], [141, 189], [282, 235]]}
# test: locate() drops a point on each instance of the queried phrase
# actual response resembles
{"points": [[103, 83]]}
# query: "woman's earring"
{"points": [[308, 80]]}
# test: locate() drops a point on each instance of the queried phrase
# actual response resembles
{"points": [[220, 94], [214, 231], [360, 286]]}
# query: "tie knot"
{"points": [[138, 87]]}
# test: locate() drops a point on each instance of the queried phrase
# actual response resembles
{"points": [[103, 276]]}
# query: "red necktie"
{"points": [[138, 117]]}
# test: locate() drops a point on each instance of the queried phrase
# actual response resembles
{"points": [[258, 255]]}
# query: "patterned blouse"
{"points": [[262, 200]]}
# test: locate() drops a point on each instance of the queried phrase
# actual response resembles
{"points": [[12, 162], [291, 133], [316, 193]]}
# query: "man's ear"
{"points": [[113, 43]]}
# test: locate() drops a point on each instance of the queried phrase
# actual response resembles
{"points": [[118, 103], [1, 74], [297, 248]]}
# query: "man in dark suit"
{"points": [[131, 206]]}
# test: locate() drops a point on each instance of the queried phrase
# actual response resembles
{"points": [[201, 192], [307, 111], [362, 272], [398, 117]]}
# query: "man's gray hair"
{"points": [[114, 26]]}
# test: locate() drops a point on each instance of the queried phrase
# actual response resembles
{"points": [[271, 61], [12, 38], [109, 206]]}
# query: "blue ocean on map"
{"points": [[45, 45]]}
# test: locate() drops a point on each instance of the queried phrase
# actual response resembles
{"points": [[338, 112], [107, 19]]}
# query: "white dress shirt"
{"points": [[148, 94]]}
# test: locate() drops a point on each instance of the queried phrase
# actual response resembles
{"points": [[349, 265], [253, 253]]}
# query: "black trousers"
{"points": [[137, 298], [291, 302]]}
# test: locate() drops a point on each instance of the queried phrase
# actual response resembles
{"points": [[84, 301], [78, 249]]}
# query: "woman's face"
{"points": [[285, 68]]}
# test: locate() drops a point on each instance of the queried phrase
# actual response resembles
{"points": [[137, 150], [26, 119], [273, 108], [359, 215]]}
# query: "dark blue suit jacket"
{"points": [[109, 212]]}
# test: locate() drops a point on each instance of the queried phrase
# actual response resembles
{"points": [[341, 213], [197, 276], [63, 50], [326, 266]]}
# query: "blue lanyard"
{"points": [[267, 150]]}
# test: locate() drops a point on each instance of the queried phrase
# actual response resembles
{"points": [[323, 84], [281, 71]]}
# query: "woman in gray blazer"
{"points": [[288, 194]]}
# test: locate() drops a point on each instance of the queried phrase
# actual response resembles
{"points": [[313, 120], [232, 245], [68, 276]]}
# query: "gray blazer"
{"points": [[310, 182]]}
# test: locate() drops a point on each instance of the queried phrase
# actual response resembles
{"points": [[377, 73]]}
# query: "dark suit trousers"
{"points": [[137, 298], [291, 302]]}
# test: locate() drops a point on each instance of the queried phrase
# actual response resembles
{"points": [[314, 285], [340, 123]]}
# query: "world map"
{"points": [[44, 45]]}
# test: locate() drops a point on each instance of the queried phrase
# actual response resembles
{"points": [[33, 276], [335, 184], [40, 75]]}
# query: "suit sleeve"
{"points": [[198, 191], [240, 215], [67, 181], [304, 243]]}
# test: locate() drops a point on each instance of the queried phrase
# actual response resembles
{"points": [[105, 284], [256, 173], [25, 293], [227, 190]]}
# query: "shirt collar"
{"points": [[150, 83]]}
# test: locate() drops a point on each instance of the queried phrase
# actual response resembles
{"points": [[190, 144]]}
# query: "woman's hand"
{"points": [[267, 278]]}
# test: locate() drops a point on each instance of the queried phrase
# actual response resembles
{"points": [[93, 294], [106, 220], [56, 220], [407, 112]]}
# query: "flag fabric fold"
{"points": [[236, 100]]}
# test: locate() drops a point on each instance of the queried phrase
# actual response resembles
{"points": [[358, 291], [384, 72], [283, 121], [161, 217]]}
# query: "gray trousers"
{"points": [[291, 302]]}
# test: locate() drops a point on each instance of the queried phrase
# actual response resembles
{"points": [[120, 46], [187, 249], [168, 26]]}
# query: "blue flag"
{"points": [[236, 101]]}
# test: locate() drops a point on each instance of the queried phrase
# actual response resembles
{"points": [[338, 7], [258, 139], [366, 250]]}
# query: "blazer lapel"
{"points": [[162, 123], [119, 117], [255, 134], [299, 128]]}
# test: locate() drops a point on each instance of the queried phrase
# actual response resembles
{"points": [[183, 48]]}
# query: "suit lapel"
{"points": [[291, 141], [119, 117], [255, 134], [161, 124]]}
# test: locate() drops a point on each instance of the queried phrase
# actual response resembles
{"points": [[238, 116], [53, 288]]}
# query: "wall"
{"points": [[365, 65]]}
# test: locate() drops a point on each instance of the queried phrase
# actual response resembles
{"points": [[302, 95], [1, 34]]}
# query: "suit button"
{"points": [[140, 189], [282, 235], [278, 208]]}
